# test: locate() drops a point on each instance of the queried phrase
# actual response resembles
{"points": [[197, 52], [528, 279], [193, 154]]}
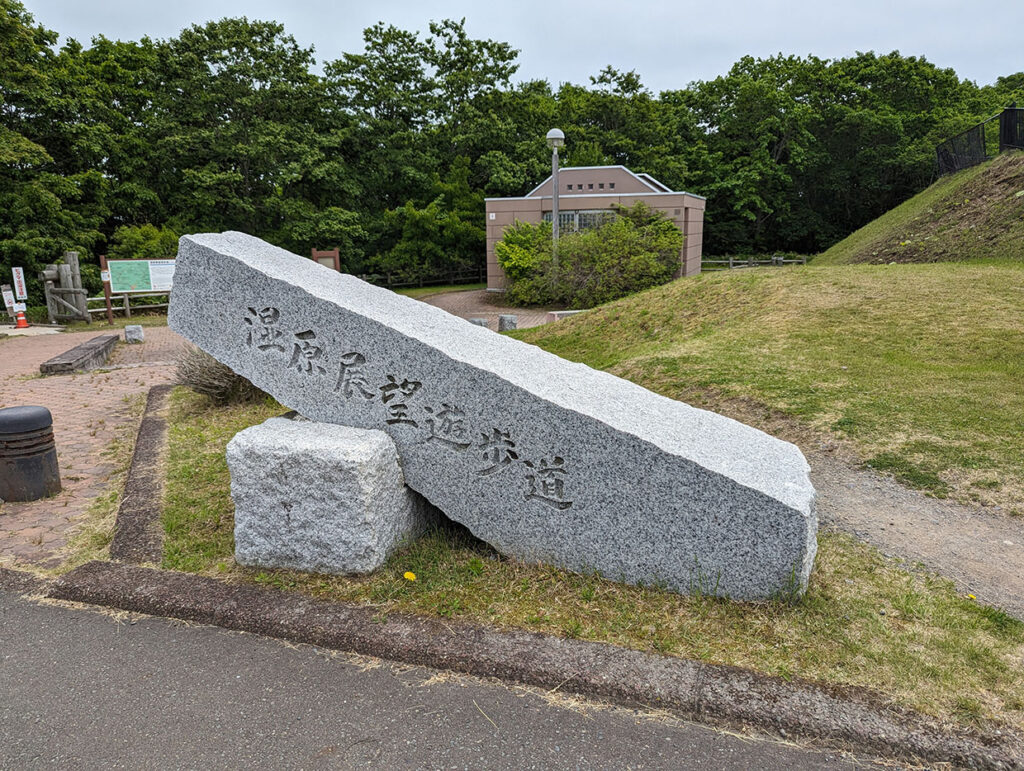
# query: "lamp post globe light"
{"points": [[555, 139]]}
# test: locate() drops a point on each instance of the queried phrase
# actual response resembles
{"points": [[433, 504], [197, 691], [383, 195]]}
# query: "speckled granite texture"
{"points": [[545, 459], [319, 497]]}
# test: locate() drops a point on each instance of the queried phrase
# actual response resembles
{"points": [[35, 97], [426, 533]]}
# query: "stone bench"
{"points": [[559, 315], [88, 355]]}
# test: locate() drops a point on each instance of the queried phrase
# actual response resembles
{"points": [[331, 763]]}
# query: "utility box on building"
{"points": [[588, 194]]}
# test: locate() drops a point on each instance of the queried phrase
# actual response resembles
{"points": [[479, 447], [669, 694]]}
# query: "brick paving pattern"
{"points": [[88, 411], [90, 408], [481, 304]]}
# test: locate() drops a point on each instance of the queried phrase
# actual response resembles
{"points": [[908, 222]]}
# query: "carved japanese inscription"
{"points": [[545, 459]]}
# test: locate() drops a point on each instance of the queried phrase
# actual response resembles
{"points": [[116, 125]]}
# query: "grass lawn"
{"points": [[99, 323], [863, 621], [919, 368]]}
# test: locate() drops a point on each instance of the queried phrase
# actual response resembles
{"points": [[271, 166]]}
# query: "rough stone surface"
{"points": [[506, 322], [545, 459], [319, 497], [133, 334], [478, 322]]}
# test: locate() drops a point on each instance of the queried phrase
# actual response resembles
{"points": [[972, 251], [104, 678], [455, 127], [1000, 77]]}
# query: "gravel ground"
{"points": [[981, 551]]}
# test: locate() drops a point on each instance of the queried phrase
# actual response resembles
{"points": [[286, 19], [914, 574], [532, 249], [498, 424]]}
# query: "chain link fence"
{"points": [[982, 141]]}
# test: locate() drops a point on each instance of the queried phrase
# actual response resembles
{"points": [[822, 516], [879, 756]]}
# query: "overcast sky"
{"points": [[668, 43]]}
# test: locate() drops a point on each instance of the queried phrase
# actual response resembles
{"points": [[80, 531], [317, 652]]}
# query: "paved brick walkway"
{"points": [[481, 304], [88, 410]]}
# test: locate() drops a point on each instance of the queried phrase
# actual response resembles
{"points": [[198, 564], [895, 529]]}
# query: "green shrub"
{"points": [[634, 251]]}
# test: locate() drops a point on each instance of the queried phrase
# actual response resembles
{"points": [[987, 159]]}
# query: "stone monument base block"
{"points": [[319, 497]]}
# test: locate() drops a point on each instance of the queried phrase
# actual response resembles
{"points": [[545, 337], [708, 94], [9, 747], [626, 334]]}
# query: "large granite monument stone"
{"points": [[545, 459]]}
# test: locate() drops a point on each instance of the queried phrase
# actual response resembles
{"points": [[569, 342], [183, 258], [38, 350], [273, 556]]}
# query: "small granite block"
{"points": [[133, 334], [478, 322], [319, 497], [507, 321], [545, 459]]}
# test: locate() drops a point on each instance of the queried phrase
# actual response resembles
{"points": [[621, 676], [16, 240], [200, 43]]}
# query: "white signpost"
{"points": [[20, 290], [8, 299]]}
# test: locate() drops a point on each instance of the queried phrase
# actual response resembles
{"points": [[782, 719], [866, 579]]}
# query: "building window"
{"points": [[611, 185], [590, 186], [600, 185], [569, 221]]}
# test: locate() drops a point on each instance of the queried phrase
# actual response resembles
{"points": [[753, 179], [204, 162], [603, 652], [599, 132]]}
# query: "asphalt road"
{"points": [[80, 688]]}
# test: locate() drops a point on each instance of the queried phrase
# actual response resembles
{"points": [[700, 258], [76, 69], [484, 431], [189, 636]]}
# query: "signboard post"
{"points": [[8, 299], [105, 275], [20, 290]]}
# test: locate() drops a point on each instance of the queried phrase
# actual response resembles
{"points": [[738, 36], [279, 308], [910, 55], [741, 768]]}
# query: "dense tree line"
{"points": [[388, 153]]}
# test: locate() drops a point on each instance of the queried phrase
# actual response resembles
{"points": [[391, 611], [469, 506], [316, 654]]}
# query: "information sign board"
{"points": [[140, 275]]}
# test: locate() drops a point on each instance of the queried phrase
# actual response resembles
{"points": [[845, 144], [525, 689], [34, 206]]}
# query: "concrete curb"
{"points": [[708, 693], [138, 536], [20, 582]]}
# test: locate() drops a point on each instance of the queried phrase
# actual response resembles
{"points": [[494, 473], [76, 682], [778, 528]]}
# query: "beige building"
{"points": [[586, 195]]}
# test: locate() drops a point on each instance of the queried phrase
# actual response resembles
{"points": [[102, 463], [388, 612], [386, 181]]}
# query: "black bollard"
{"points": [[28, 456]]}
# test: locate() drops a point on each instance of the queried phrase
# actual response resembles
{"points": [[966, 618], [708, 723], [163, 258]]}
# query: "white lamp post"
{"points": [[555, 139]]}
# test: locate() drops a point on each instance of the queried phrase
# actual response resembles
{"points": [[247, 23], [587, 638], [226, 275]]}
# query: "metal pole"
{"points": [[554, 206]]}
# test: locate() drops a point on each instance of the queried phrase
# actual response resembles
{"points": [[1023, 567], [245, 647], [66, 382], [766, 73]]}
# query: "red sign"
{"points": [[19, 283]]}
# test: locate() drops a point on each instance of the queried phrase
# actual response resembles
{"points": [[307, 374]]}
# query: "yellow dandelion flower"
{"points": [[410, 576], [972, 596]]}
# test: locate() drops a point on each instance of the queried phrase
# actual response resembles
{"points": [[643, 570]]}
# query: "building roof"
{"points": [[648, 184]]}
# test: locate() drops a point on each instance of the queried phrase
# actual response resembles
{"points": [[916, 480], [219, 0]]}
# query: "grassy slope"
{"points": [[977, 214], [919, 366], [862, 622]]}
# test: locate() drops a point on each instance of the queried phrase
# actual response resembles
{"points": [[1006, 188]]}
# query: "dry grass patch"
{"points": [[864, 621]]}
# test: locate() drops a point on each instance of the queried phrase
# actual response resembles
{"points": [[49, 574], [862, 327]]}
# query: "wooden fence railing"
{"points": [[734, 263], [123, 305]]}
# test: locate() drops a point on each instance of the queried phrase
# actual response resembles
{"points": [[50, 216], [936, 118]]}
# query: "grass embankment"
{"points": [[976, 214], [862, 621], [918, 367]]}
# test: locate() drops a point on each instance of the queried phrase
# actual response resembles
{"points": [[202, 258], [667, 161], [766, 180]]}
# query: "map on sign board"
{"points": [[140, 275]]}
